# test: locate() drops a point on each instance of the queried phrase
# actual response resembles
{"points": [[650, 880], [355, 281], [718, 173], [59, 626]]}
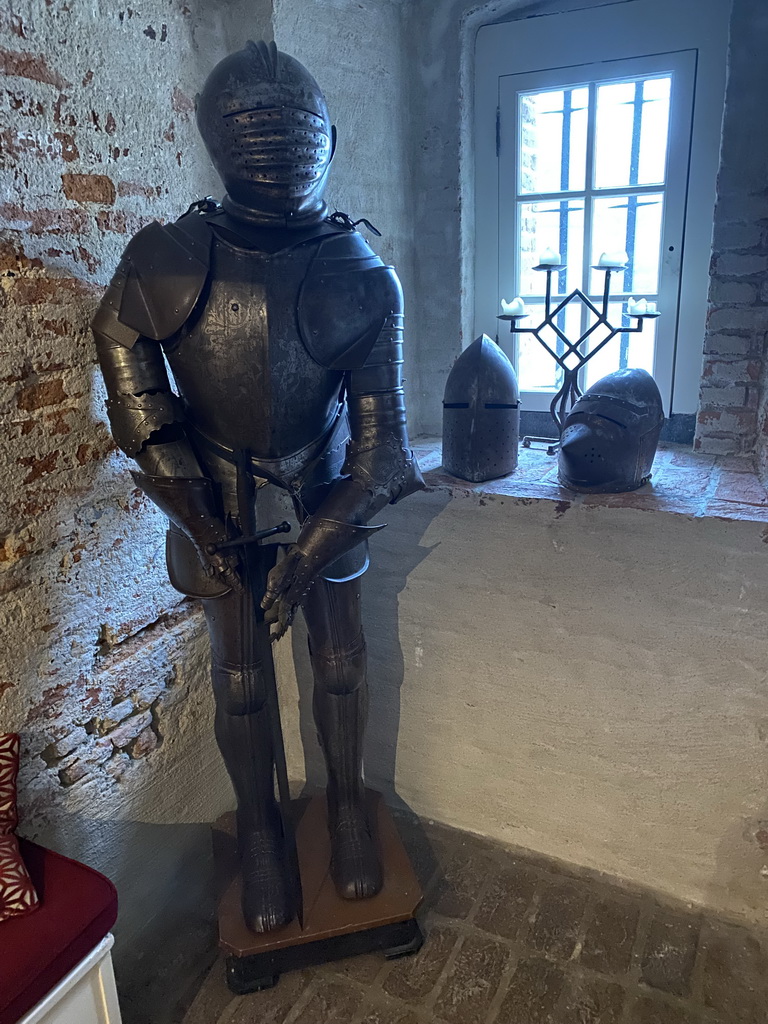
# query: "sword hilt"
{"points": [[213, 549]]}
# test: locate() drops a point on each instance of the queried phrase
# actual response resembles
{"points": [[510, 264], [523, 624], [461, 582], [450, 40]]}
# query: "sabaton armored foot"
{"points": [[355, 862]]}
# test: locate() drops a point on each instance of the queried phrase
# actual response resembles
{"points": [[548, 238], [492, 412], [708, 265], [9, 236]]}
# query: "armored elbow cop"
{"points": [[384, 467], [140, 401]]}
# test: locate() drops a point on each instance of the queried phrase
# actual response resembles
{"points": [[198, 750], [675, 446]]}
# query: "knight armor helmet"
{"points": [[267, 129], [481, 414], [610, 435]]}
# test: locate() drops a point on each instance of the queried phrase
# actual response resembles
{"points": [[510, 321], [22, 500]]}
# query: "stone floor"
{"points": [[683, 482], [515, 939]]}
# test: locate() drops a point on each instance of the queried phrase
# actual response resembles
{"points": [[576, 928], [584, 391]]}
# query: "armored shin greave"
{"points": [[337, 653], [243, 735]]}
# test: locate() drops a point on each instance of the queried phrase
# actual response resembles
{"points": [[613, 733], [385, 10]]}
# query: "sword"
{"points": [[258, 561]]}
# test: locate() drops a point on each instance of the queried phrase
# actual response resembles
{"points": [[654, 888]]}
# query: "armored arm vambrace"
{"points": [[380, 467]]}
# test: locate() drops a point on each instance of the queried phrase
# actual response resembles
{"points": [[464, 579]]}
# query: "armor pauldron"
{"points": [[346, 299], [162, 275]]}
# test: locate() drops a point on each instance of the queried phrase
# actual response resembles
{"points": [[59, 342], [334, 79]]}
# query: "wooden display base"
{"points": [[334, 928]]}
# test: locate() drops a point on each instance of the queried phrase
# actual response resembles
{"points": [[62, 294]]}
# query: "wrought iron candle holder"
{"points": [[570, 391]]}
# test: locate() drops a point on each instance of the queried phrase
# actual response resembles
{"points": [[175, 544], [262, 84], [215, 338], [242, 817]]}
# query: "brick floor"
{"points": [[516, 939]]}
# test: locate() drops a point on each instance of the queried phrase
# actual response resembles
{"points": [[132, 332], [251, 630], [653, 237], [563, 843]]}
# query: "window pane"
{"points": [[631, 223], [558, 226], [553, 140], [652, 163], [625, 350], [632, 130], [537, 370]]}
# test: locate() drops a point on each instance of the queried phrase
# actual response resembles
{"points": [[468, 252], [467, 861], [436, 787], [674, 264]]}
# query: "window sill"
{"points": [[684, 483]]}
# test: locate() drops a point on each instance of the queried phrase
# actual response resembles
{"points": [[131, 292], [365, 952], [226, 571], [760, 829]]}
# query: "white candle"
{"points": [[613, 260], [636, 307], [549, 258], [650, 307], [514, 308]]}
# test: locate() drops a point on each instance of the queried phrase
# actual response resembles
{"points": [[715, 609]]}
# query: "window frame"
{"points": [[682, 67], [623, 31]]}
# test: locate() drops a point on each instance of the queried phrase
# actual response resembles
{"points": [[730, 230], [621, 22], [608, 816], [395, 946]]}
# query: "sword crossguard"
{"points": [[213, 549]]}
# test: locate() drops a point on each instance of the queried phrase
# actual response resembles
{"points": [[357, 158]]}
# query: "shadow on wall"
{"points": [[392, 561], [741, 859]]}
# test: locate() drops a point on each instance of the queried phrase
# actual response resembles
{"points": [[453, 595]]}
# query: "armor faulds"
{"points": [[610, 436], [283, 331], [481, 414]]}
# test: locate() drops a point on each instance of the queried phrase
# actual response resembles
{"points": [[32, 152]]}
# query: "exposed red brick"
{"points": [[144, 743], [110, 125], [15, 144], [33, 291], [138, 188], [89, 188], [14, 258], [182, 103], [5, 685], [41, 394], [169, 134], [60, 327], [87, 78], [53, 700], [130, 728], [60, 118], [45, 221], [30, 65], [39, 467], [120, 222], [24, 105], [69, 150]]}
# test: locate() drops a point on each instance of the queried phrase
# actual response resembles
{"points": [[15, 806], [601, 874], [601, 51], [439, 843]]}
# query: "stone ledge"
{"points": [[684, 482]]}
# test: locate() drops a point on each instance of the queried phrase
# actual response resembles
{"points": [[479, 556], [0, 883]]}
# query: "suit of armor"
{"points": [[283, 331]]}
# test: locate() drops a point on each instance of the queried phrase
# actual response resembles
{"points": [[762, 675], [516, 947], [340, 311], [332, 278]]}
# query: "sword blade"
{"points": [[258, 562]]}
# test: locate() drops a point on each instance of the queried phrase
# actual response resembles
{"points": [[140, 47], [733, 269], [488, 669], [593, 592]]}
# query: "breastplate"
{"points": [[240, 366]]}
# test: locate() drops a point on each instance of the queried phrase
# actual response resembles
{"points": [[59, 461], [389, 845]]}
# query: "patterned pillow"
{"points": [[17, 893]]}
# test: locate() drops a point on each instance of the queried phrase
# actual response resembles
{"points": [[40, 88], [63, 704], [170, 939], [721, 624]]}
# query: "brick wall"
{"points": [[103, 666], [732, 415]]}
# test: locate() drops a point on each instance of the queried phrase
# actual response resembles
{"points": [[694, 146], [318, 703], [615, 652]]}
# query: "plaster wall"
{"points": [[587, 682]]}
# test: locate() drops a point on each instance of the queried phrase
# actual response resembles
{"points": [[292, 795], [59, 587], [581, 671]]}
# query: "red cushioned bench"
{"points": [[78, 907]]}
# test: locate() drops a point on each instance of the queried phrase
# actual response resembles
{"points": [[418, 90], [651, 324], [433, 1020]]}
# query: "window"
{"points": [[595, 130], [587, 164]]}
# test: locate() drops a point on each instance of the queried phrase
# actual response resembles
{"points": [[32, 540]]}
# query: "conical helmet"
{"points": [[481, 414], [610, 436]]}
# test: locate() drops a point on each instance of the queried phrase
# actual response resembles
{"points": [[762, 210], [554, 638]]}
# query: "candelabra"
{"points": [[570, 391]]}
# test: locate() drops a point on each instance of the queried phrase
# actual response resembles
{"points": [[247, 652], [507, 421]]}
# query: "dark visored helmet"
{"points": [[481, 414], [267, 129], [610, 435]]}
